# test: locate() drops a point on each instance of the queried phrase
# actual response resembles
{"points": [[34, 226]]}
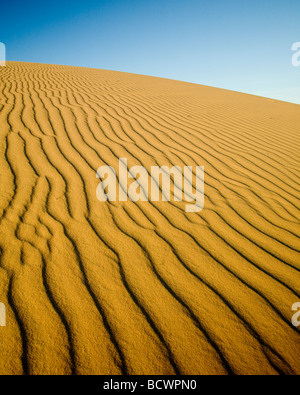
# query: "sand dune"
{"points": [[145, 288]]}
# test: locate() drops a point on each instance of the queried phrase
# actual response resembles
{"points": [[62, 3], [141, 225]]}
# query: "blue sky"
{"points": [[240, 45]]}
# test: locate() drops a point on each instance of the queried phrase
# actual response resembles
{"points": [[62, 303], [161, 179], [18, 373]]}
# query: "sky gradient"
{"points": [[239, 45]]}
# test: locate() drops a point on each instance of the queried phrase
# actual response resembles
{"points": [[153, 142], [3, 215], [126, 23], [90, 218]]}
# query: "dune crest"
{"points": [[145, 288]]}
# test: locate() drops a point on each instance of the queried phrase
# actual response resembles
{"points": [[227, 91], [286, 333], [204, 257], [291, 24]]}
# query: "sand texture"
{"points": [[145, 288]]}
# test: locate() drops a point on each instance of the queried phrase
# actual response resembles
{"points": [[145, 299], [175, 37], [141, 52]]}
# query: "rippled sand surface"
{"points": [[145, 288]]}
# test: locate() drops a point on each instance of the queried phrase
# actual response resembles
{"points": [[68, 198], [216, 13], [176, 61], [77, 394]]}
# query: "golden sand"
{"points": [[145, 288]]}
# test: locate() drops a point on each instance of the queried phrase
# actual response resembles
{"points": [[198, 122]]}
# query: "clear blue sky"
{"points": [[242, 45]]}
